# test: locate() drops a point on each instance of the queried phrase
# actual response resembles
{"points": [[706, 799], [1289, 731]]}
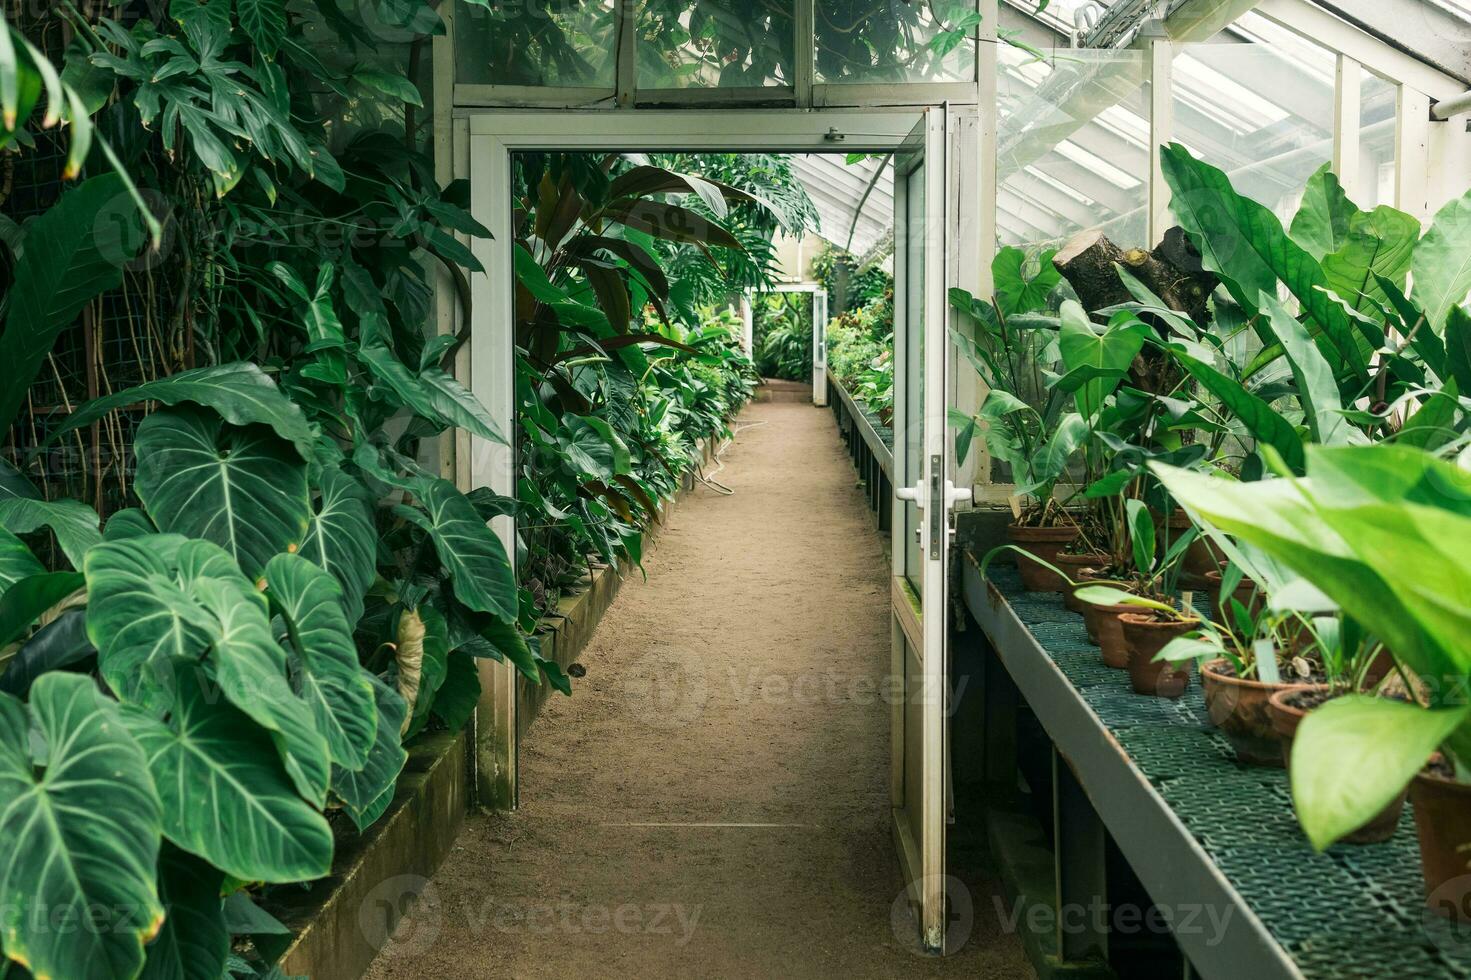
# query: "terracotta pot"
{"points": [[1239, 709], [1285, 718], [1105, 632], [1145, 636], [1246, 593], [1443, 820], [1046, 543], [1073, 566], [1381, 667]]}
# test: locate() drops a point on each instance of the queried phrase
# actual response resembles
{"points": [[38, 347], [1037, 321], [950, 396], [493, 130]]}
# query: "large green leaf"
{"points": [[455, 702], [1355, 754], [1321, 225], [1016, 292], [79, 828], [1103, 352], [55, 646], [194, 943], [16, 561], [1317, 391], [70, 258], [671, 223], [341, 538], [75, 525], [1259, 418], [431, 393], [1379, 244], [326, 670], [1442, 265], [472, 553], [1244, 242], [241, 393], [264, 22], [242, 488], [366, 793], [28, 598], [225, 796]]}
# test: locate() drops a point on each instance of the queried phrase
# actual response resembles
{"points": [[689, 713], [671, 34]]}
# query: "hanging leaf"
{"points": [[431, 665], [341, 538], [264, 22], [242, 488], [194, 943], [80, 833], [70, 258], [476, 559], [28, 598], [460, 693], [325, 666], [225, 796], [432, 394], [73, 522], [366, 793], [1321, 225], [1442, 264], [16, 561], [241, 393], [671, 222], [391, 84]]}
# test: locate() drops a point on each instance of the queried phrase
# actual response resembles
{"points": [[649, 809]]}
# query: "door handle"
{"points": [[957, 495], [914, 495]]}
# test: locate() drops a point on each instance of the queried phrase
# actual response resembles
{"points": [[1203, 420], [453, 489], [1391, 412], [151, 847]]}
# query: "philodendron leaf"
{"points": [[27, 599], [460, 693], [242, 488], [16, 561], [1355, 754], [74, 251], [472, 553], [79, 828], [366, 793], [55, 646], [1322, 222], [341, 538], [194, 943], [225, 795], [431, 393], [73, 522], [1442, 263], [326, 671], [241, 393]]}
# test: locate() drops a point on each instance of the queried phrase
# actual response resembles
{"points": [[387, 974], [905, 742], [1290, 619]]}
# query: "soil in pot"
{"points": [[1073, 566], [1287, 708], [1046, 543], [1443, 821], [1239, 708], [1145, 635]]}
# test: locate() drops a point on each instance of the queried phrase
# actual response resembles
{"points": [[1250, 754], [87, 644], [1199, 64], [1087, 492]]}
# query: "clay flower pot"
{"points": [[1246, 593], [1046, 543], [1285, 718], [1105, 631], [1145, 636], [1239, 708], [1073, 566], [1443, 820]]}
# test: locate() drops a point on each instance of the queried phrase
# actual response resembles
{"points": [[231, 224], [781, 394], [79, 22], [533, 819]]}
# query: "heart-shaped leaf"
{"points": [[341, 538], [474, 555], [242, 488], [366, 793], [194, 943], [79, 828], [325, 665], [73, 522], [225, 795]]}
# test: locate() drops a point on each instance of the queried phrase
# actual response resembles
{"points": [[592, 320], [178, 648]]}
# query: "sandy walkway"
{"points": [[712, 801]]}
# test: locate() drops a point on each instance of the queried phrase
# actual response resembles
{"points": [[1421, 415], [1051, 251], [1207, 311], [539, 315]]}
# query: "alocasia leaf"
{"points": [[194, 943], [1442, 264], [341, 538], [476, 559], [367, 792]]}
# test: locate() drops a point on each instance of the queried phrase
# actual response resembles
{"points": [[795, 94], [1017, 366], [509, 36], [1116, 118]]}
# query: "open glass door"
{"points": [[921, 525]]}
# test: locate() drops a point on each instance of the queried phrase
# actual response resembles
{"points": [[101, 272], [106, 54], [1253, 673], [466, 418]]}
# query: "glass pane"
{"points": [[1262, 111], [913, 287], [715, 43], [1376, 142], [894, 41], [1073, 152], [567, 43]]}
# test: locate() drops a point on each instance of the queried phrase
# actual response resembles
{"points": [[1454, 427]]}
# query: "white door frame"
{"points": [[819, 332], [493, 136]]}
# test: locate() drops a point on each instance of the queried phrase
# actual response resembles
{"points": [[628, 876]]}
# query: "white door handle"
{"points": [[914, 495], [957, 495]]}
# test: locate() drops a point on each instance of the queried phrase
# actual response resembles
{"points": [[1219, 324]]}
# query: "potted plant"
{"points": [[1151, 616], [1382, 531]]}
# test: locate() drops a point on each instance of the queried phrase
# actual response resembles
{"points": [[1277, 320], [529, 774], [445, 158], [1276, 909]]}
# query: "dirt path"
{"points": [[713, 800]]}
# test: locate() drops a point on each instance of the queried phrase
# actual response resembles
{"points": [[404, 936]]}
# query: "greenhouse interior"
{"points": [[735, 488]]}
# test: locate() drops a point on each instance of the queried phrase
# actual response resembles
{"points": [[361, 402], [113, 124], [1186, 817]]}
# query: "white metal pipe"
{"points": [[1446, 108]]}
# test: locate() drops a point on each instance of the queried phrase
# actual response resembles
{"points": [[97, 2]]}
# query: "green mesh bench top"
{"points": [[1197, 825]]}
